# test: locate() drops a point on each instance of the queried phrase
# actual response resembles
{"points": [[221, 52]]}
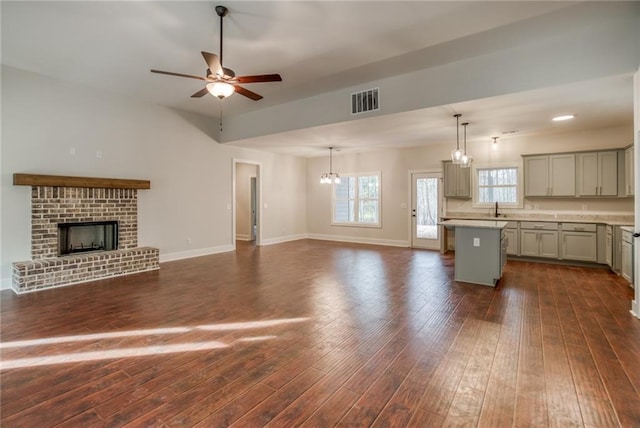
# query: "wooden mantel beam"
{"points": [[64, 181]]}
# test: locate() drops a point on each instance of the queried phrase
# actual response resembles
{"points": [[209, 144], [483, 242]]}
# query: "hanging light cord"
{"points": [[465, 136], [330, 160], [458, 131]]}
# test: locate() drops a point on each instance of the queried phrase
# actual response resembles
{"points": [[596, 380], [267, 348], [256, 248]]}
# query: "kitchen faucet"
{"points": [[496, 212]]}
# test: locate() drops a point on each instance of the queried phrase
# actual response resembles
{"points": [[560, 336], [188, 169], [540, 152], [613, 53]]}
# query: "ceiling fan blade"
{"points": [[259, 78], [178, 74], [201, 93], [247, 93], [213, 62]]}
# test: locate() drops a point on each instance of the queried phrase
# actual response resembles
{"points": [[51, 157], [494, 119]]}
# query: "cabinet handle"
{"points": [[596, 190]]}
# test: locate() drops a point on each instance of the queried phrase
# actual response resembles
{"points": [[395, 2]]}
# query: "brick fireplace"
{"points": [[66, 200]]}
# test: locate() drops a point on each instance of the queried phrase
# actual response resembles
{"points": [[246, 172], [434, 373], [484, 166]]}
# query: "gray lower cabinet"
{"points": [[608, 250], [512, 236], [626, 263], [579, 241], [581, 246], [539, 240]]}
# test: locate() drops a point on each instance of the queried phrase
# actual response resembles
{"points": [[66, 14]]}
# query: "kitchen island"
{"points": [[481, 247]]}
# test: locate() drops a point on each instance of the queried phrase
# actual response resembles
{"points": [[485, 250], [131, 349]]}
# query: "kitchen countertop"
{"points": [[481, 224], [559, 219]]}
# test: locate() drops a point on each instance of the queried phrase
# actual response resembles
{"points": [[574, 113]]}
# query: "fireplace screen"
{"points": [[84, 237]]}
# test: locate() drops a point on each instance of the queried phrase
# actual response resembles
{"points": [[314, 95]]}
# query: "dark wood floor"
{"points": [[316, 334]]}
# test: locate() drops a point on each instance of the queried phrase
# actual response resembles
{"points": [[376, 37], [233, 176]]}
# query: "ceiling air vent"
{"points": [[362, 102]]}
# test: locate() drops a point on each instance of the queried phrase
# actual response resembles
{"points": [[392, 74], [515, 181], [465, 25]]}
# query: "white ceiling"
{"points": [[316, 46]]}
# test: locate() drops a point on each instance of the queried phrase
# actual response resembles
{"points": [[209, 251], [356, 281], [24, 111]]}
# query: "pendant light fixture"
{"points": [[456, 155], [465, 160], [330, 177], [494, 146]]}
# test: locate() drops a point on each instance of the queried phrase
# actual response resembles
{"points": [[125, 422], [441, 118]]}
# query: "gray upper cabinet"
{"points": [[598, 174], [550, 175], [457, 181], [628, 172]]}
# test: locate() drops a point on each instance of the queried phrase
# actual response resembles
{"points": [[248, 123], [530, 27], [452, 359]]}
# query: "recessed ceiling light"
{"points": [[563, 117]]}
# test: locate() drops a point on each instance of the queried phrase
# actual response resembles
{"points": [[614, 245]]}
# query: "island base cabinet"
{"points": [[479, 258]]}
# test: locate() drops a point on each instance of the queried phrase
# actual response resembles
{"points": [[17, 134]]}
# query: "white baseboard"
{"points": [[170, 257], [282, 239], [359, 240], [240, 237]]}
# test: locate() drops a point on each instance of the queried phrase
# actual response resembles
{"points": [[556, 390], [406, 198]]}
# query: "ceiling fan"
{"points": [[221, 81]]}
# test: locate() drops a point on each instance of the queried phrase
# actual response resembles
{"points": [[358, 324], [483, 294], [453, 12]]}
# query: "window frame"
{"points": [[356, 204], [476, 187]]}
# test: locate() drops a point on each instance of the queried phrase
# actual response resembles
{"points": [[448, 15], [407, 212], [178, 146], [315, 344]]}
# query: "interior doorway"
{"points": [[246, 202], [426, 209]]}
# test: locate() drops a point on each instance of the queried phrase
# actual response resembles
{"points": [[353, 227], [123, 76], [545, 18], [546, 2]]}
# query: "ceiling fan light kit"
{"points": [[220, 89], [221, 81]]}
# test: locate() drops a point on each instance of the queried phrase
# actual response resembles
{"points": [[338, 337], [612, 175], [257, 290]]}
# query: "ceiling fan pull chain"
{"points": [[220, 105]]}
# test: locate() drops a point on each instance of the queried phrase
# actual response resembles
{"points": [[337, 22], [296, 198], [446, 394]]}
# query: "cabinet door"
{"points": [[548, 244], [581, 246], [529, 243], [629, 172], [588, 174], [449, 179], [512, 236], [626, 269], [536, 176], [457, 181], [463, 182], [608, 251], [562, 175], [608, 173]]}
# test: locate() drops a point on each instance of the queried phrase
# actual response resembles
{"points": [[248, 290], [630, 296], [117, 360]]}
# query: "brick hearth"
{"points": [[51, 205]]}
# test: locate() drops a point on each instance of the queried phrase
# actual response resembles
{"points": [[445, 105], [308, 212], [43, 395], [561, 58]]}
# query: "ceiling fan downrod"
{"points": [[222, 12]]}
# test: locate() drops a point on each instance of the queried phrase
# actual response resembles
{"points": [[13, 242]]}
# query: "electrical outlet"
{"points": [[189, 241], [476, 242], [72, 151], [99, 154]]}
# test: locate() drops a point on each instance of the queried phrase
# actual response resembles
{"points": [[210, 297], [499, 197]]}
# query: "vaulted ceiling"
{"points": [[332, 48]]}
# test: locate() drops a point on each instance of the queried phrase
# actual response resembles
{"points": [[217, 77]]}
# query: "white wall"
{"points": [[191, 174], [244, 173], [396, 164]]}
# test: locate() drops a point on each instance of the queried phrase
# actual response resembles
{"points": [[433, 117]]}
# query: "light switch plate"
{"points": [[476, 242]]}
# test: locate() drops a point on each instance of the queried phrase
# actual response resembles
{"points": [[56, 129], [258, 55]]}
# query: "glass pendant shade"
{"points": [[220, 89], [456, 155], [465, 161]]}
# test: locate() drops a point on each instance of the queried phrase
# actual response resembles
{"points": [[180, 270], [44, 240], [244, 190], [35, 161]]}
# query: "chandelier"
{"points": [[330, 177]]}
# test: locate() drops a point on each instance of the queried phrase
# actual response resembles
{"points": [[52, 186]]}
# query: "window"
{"points": [[497, 185], [356, 200]]}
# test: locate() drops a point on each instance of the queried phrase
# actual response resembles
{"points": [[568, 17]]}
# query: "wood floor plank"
{"points": [[314, 333]]}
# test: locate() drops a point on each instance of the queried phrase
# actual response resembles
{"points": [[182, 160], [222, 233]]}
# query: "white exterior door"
{"points": [[426, 208]]}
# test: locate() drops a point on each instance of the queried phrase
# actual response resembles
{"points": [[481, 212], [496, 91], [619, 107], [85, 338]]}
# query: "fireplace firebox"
{"points": [[74, 238]]}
